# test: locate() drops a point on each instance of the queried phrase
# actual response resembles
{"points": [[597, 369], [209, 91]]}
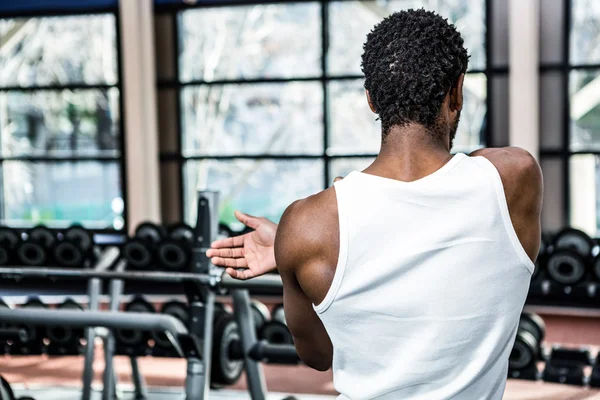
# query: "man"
{"points": [[407, 278]]}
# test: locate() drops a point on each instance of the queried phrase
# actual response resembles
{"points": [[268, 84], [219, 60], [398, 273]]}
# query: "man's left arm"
{"points": [[295, 251]]}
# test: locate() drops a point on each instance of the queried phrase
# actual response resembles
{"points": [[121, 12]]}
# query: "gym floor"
{"points": [[165, 377]]}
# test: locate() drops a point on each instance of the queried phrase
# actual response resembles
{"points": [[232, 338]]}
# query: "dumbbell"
{"points": [[9, 239], [595, 375], [75, 249], [61, 335], [175, 252], [225, 371], [224, 232], [567, 366], [527, 348], [575, 240], [566, 267], [139, 250], [541, 260], [34, 335], [176, 309], [132, 337], [276, 330], [260, 315], [36, 250]]}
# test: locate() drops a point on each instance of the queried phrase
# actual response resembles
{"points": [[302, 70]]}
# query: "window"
{"points": [[270, 98], [60, 122]]}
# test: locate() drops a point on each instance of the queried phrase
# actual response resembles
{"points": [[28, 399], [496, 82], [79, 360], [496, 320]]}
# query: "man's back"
{"points": [[419, 284]]}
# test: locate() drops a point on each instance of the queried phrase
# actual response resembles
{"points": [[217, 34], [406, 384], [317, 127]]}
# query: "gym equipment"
{"points": [[37, 249], [201, 285], [224, 232], [64, 340], [540, 261], [575, 240], [175, 252], [75, 249], [178, 310], [567, 366], [260, 314], [566, 267], [279, 314], [225, 370], [9, 238], [139, 250], [276, 330], [596, 267], [130, 341], [527, 349], [34, 335]]}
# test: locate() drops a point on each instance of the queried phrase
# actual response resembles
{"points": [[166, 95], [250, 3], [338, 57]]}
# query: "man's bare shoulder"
{"points": [[515, 165], [308, 228], [523, 187]]}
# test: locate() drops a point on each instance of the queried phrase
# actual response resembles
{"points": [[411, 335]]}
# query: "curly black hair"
{"points": [[410, 61]]}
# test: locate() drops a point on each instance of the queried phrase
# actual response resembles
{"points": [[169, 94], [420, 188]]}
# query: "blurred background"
{"points": [[262, 101], [116, 112]]}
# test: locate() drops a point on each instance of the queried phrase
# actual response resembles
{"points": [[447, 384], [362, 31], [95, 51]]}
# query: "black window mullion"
{"points": [[567, 116], [178, 124], [325, 48], [486, 138], [122, 141]]}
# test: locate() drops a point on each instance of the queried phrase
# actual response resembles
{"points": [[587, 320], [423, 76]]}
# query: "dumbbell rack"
{"points": [[201, 286]]}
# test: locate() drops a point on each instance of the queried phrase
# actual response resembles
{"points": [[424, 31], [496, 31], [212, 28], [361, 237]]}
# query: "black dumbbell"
{"points": [[75, 249], [175, 252], [260, 315], [139, 250], [566, 267], [225, 370], [9, 239], [527, 348], [63, 335], [224, 232], [574, 240], [36, 250], [595, 375], [132, 337], [567, 366], [276, 330], [178, 310], [33, 337]]}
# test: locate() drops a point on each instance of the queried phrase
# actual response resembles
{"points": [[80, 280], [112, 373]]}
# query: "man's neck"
{"points": [[410, 153]]}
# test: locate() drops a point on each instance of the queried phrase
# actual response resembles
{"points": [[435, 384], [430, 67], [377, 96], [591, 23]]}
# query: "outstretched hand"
{"points": [[251, 254], [248, 255]]}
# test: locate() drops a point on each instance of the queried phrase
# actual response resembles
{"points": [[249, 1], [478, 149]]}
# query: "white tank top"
{"points": [[430, 282]]}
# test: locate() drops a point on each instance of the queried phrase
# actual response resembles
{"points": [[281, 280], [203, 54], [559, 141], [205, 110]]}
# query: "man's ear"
{"points": [[456, 94], [371, 106]]}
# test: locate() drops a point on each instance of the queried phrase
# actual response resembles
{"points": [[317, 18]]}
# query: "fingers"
{"points": [[236, 252], [236, 241], [240, 274], [337, 178], [248, 220], [229, 262]]}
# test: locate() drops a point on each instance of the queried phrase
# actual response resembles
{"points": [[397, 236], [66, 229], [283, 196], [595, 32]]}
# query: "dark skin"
{"points": [[307, 240]]}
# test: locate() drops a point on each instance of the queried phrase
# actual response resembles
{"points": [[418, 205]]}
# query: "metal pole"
{"points": [[254, 372], [138, 380], [115, 291], [197, 383], [90, 336]]}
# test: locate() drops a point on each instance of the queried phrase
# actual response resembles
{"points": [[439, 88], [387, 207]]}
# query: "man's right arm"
{"points": [[523, 186]]}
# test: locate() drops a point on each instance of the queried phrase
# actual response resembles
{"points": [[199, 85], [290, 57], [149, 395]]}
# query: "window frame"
{"points": [[177, 157], [118, 85]]}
